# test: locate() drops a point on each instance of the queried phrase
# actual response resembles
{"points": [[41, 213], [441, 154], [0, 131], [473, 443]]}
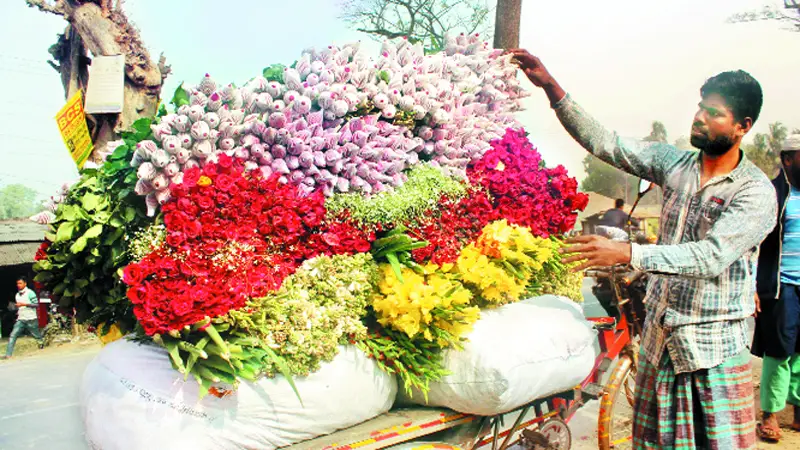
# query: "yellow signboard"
{"points": [[72, 125]]}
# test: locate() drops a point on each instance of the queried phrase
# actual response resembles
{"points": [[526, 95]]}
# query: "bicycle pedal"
{"points": [[592, 391]]}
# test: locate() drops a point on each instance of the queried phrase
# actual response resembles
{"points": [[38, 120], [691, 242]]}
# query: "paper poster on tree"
{"points": [[72, 125]]}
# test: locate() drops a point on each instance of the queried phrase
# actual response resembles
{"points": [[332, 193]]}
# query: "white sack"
{"points": [[132, 398], [515, 354]]}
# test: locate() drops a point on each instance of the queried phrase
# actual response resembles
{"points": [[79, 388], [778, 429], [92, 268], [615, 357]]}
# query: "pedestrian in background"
{"points": [[27, 319]]}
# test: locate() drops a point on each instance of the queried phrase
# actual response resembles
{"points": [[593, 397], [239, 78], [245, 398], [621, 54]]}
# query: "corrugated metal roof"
{"points": [[17, 253], [21, 231]]}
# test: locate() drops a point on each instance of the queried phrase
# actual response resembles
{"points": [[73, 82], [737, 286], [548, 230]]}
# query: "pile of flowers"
{"points": [[340, 201]]}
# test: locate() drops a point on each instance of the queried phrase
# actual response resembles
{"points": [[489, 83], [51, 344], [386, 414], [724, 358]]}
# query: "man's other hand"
{"points": [[596, 251]]}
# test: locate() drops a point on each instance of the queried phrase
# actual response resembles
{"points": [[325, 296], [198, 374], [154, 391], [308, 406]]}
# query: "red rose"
{"points": [[205, 202], [223, 182], [210, 170], [133, 274], [191, 176], [225, 161]]}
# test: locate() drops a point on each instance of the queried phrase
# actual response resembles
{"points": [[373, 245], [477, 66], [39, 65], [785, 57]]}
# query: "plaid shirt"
{"points": [[703, 279]]}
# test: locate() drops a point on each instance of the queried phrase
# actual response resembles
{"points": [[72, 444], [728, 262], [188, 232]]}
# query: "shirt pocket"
{"points": [[707, 216]]}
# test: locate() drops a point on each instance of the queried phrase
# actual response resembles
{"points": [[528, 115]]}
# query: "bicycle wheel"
{"points": [[615, 421]]}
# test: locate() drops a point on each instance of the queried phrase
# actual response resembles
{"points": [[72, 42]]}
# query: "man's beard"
{"points": [[716, 147]]}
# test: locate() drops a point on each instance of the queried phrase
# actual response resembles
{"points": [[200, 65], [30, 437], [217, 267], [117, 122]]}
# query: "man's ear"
{"points": [[745, 126]]}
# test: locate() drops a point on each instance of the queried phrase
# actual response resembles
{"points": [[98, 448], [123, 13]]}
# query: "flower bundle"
{"points": [[501, 263], [523, 191], [342, 200], [431, 305], [338, 121]]}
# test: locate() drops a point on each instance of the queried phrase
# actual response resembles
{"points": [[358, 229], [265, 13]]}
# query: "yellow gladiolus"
{"points": [[433, 306]]}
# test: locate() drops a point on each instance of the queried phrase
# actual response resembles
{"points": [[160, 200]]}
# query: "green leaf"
{"points": [[90, 201], [181, 97], [81, 283], [384, 75], [67, 212], [142, 126], [131, 177], [284, 369], [162, 111], [94, 231], [113, 236], [121, 152], [130, 214], [396, 267], [274, 73], [43, 277], [116, 221], [102, 216], [59, 289], [65, 231], [79, 245]]}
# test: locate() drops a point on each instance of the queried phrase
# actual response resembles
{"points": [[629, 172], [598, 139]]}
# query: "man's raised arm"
{"points": [[643, 159]]}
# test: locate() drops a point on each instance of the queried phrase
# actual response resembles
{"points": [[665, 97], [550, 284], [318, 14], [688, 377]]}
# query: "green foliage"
{"points": [[274, 72], [395, 247], [18, 201], [180, 97], [88, 238], [406, 204]]}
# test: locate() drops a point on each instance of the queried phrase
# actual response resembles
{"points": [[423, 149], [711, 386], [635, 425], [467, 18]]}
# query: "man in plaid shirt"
{"points": [[694, 387]]}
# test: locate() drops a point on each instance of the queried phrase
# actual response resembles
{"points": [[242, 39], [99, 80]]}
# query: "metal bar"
{"points": [[496, 430], [514, 427]]}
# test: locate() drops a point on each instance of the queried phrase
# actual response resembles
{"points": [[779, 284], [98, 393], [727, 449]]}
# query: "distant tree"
{"points": [[425, 21], [764, 152], [789, 14], [614, 183], [18, 201], [658, 133]]}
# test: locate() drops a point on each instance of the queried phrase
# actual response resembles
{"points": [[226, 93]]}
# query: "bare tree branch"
{"points": [[56, 7], [419, 20], [772, 13]]}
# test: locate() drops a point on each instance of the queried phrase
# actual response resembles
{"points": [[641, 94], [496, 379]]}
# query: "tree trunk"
{"points": [[105, 31], [507, 21]]}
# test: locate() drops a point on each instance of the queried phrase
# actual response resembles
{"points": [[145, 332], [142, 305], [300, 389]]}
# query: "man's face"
{"points": [[791, 166], [715, 130], [20, 285]]}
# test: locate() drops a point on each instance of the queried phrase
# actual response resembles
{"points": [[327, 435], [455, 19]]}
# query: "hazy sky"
{"points": [[626, 61]]}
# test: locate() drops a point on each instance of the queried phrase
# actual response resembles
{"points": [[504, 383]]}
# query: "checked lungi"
{"points": [[707, 409]]}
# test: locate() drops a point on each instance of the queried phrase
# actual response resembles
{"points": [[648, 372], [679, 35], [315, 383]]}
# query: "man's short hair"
{"points": [[23, 279], [741, 92], [619, 203]]}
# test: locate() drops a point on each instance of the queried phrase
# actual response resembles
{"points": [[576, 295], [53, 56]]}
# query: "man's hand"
{"points": [[758, 305], [532, 67], [596, 251], [538, 74]]}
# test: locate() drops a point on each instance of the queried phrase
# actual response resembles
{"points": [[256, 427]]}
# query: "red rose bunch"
{"points": [[525, 192], [460, 223], [41, 252], [340, 236], [231, 235]]}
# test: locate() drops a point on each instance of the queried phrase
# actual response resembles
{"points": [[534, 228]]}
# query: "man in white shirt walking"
{"points": [[27, 320]]}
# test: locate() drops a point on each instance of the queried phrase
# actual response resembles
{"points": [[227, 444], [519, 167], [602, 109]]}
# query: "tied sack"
{"points": [[132, 398], [515, 354]]}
